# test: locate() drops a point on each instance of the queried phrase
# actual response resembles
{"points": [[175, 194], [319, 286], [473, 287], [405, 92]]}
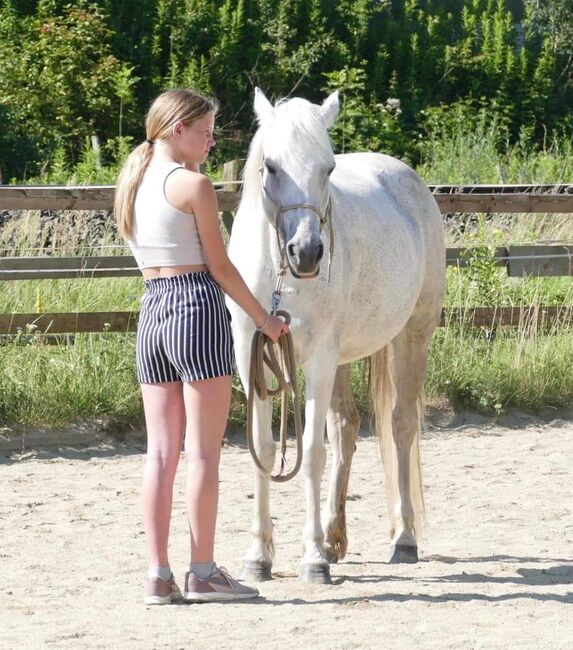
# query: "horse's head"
{"points": [[295, 163]]}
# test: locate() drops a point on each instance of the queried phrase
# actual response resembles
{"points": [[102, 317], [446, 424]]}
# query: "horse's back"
{"points": [[364, 179], [362, 174]]}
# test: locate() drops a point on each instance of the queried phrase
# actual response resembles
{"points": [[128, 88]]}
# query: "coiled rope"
{"points": [[283, 368]]}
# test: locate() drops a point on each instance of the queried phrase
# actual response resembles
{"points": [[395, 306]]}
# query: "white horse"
{"points": [[381, 298]]}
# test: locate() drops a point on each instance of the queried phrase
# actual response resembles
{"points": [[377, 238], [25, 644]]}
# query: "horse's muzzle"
{"points": [[304, 260]]}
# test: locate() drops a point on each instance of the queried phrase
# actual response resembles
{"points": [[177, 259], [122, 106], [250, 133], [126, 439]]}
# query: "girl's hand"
{"points": [[274, 328]]}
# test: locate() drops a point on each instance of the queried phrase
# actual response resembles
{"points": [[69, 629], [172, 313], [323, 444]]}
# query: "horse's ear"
{"points": [[329, 109], [263, 108]]}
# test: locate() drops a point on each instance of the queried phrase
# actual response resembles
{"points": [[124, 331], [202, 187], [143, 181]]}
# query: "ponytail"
{"points": [[126, 188]]}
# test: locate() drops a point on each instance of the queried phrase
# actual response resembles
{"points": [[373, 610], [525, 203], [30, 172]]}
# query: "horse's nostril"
{"points": [[291, 249], [319, 252]]}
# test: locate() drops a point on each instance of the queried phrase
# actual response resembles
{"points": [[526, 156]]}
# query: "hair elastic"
{"points": [[149, 141]]}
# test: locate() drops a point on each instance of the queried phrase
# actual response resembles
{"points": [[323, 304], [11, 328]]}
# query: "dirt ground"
{"points": [[496, 567]]}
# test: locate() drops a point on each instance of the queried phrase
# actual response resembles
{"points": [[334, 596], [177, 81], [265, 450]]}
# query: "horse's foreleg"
{"points": [[342, 424], [320, 374], [258, 559]]}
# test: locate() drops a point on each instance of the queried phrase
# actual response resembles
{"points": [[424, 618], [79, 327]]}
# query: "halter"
{"points": [[325, 218]]}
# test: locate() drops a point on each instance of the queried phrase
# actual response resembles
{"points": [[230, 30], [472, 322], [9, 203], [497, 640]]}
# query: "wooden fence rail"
{"points": [[126, 321], [519, 260], [450, 198]]}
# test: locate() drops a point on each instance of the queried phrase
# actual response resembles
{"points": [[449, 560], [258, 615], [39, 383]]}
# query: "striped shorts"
{"points": [[184, 330]]}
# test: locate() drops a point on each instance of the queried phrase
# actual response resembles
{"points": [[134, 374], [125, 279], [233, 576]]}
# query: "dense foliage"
{"points": [[72, 68]]}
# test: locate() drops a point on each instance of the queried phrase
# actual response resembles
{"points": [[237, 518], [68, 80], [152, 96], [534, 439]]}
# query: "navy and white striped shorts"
{"points": [[184, 330]]}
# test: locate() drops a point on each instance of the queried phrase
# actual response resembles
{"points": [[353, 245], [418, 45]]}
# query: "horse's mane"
{"points": [[300, 121], [251, 175]]}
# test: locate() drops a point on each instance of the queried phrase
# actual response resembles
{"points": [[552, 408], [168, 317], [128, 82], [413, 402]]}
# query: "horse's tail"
{"points": [[383, 394]]}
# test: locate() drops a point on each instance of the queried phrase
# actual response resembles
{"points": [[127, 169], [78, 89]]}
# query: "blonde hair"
{"points": [[179, 104]]}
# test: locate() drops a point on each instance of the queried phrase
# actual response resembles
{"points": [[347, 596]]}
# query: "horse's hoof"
{"points": [[331, 555], [404, 554], [316, 573], [253, 571]]}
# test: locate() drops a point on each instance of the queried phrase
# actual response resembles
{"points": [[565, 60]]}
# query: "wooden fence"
{"points": [[519, 260]]}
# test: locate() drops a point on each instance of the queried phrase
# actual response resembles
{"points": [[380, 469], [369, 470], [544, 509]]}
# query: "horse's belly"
{"points": [[385, 280], [364, 334]]}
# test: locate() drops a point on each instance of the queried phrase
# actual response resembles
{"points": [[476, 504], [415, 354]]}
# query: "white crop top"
{"points": [[162, 235]]}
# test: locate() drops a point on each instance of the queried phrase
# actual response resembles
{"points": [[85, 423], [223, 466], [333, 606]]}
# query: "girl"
{"points": [[167, 211]]}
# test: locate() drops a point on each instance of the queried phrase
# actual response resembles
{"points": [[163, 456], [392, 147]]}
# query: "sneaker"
{"points": [[218, 586], [161, 592]]}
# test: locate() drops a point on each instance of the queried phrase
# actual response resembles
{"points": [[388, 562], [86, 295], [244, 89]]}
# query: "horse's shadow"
{"points": [[555, 575], [559, 574], [566, 599], [449, 559]]}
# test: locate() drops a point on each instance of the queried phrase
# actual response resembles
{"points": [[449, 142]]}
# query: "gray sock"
{"points": [[163, 572], [202, 569]]}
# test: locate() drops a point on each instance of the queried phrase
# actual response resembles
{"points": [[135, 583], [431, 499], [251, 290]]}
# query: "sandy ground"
{"points": [[496, 569]]}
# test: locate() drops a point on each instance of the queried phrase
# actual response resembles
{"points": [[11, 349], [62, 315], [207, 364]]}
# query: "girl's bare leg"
{"points": [[207, 405], [165, 422]]}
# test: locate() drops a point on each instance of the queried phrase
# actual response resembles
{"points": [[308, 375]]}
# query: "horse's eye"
{"points": [[270, 168], [331, 170]]}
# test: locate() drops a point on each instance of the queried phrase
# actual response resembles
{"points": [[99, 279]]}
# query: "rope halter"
{"points": [[325, 219]]}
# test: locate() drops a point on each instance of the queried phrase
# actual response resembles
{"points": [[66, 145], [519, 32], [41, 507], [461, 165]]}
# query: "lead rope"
{"points": [[283, 367]]}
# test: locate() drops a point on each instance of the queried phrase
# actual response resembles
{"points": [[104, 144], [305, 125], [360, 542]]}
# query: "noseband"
{"points": [[307, 206]]}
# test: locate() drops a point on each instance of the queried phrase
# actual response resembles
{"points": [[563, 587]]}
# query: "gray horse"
{"points": [[379, 296]]}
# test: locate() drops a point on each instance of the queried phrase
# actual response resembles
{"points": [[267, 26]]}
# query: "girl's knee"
{"points": [[164, 459], [207, 460]]}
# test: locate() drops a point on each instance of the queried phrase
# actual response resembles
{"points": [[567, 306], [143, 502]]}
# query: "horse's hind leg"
{"points": [[410, 349], [342, 424], [398, 374]]}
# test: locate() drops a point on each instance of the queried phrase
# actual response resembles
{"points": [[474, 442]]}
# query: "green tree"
{"points": [[364, 124], [69, 68], [63, 86]]}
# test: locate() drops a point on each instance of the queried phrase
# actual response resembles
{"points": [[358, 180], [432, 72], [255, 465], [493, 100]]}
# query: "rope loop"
{"points": [[283, 368]]}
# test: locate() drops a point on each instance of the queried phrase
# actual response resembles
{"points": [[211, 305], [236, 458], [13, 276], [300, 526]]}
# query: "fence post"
{"points": [[231, 172], [97, 150]]}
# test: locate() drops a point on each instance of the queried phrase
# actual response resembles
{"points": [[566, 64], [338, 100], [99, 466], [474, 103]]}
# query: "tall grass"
{"points": [[94, 378], [525, 366], [465, 151]]}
